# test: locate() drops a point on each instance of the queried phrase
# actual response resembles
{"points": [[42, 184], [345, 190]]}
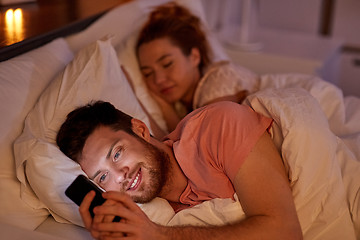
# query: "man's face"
{"points": [[118, 161]]}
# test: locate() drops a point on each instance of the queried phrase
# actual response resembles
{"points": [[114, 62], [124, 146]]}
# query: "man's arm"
{"points": [[262, 187], [265, 196]]}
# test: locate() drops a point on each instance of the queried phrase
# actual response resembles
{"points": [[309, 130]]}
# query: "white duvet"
{"points": [[317, 131]]}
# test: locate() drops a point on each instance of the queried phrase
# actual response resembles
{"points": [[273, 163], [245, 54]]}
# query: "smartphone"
{"points": [[80, 187]]}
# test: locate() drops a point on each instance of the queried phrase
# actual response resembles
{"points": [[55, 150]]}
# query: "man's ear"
{"points": [[140, 129], [195, 56]]}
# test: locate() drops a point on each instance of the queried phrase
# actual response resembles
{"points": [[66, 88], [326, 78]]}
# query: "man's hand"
{"points": [[134, 223], [98, 218], [85, 214]]}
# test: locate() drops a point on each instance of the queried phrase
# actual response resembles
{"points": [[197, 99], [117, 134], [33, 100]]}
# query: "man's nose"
{"points": [[121, 174]]}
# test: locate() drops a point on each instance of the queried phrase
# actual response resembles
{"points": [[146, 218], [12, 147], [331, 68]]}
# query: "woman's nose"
{"points": [[160, 77]]}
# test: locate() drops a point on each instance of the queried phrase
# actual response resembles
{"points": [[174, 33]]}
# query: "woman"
{"points": [[175, 60]]}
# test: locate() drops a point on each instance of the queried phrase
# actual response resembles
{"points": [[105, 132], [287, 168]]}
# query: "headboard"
{"points": [[26, 26]]}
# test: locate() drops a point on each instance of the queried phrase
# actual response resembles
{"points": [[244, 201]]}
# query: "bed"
{"points": [[315, 128]]}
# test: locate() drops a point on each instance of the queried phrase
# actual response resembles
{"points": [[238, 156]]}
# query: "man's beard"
{"points": [[158, 166]]}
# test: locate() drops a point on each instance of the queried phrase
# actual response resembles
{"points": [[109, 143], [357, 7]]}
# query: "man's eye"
{"points": [[103, 177], [117, 156]]}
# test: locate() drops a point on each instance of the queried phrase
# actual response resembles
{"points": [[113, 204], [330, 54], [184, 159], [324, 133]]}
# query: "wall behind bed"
{"points": [[321, 32]]}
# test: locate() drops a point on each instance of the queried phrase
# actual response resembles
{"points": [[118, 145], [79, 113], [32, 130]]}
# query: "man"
{"points": [[215, 151]]}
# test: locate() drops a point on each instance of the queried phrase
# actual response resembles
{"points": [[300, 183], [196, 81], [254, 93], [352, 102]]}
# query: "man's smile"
{"points": [[135, 182]]}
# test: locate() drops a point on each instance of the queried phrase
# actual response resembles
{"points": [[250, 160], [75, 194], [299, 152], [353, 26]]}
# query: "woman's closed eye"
{"points": [[147, 74], [167, 64]]}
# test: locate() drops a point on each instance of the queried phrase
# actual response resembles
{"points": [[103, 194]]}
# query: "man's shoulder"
{"points": [[222, 107], [212, 118], [217, 112]]}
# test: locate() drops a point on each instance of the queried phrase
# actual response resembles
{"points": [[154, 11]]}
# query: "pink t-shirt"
{"points": [[210, 144]]}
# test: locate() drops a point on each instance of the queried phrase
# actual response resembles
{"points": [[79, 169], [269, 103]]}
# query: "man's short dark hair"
{"points": [[81, 122]]}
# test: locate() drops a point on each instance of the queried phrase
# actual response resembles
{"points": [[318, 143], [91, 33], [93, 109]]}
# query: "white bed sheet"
{"points": [[63, 230], [11, 232]]}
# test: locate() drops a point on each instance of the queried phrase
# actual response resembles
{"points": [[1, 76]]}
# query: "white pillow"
{"points": [[22, 79], [94, 74]]}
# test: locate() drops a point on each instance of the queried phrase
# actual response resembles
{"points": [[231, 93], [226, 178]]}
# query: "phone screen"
{"points": [[80, 187]]}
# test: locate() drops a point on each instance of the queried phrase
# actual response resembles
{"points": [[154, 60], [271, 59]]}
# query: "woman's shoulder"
{"points": [[220, 66], [223, 79], [228, 68]]}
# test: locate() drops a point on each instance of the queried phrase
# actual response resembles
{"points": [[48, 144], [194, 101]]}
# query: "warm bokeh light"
{"points": [[18, 15], [14, 26], [9, 16]]}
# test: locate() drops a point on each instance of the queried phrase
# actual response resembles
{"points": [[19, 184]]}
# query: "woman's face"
{"points": [[167, 71]]}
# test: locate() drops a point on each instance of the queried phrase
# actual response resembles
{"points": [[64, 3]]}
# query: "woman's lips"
{"points": [[166, 90], [134, 184]]}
